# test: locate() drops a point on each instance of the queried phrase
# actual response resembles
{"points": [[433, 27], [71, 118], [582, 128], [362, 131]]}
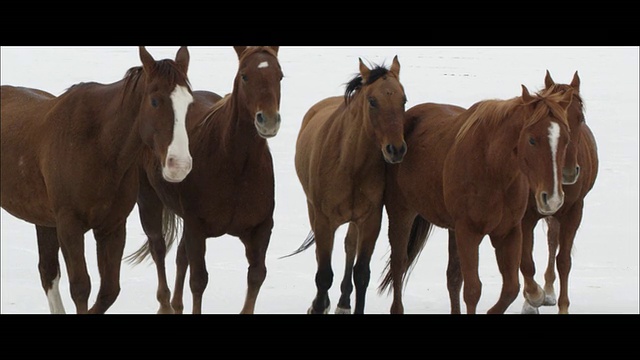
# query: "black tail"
{"points": [[171, 224], [420, 231], [310, 240]]}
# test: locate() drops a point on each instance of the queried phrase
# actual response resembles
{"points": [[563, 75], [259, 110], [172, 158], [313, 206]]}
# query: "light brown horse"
{"points": [[70, 165], [230, 189], [471, 171], [339, 164], [578, 177]]}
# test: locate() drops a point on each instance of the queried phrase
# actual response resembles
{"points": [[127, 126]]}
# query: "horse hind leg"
{"points": [[182, 264], [255, 251], [346, 286], [71, 238], [570, 223], [110, 248], [49, 267], [454, 276]]}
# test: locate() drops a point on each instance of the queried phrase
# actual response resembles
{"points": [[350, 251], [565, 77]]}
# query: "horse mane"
{"points": [[492, 112], [356, 83]]}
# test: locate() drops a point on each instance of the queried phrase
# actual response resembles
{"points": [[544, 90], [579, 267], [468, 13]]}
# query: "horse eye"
{"points": [[532, 141], [154, 102], [372, 102], [244, 77]]}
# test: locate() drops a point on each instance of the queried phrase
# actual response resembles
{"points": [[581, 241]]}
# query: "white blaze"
{"points": [[263, 65], [554, 135], [179, 147]]}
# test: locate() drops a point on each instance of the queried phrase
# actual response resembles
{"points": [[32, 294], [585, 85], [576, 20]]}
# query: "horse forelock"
{"points": [[255, 49], [166, 68], [356, 83], [545, 104], [561, 89]]}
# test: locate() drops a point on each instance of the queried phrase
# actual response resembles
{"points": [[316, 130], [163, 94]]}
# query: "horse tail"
{"points": [[171, 224], [420, 231], [310, 240]]}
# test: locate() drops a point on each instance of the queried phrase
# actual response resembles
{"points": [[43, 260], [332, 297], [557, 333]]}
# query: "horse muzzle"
{"points": [[176, 168], [548, 205], [394, 154], [267, 125]]}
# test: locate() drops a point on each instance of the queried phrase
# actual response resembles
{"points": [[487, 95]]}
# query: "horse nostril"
{"points": [[577, 169], [390, 149], [260, 118], [544, 197], [403, 149]]}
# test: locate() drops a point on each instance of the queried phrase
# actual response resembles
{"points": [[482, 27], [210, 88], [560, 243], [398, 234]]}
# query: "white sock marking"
{"points": [[53, 296]]}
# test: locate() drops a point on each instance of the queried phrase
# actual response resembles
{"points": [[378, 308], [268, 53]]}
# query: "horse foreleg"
{"points": [[508, 254], [49, 267], [400, 223], [324, 233], [71, 238], [110, 247], [195, 246], [255, 250], [532, 292], [568, 228], [454, 276], [468, 243], [150, 210], [182, 263], [367, 236], [346, 286], [553, 235]]}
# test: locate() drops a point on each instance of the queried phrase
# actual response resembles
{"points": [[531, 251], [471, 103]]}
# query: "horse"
{"points": [[339, 165], [70, 165], [471, 171], [578, 178], [231, 189]]}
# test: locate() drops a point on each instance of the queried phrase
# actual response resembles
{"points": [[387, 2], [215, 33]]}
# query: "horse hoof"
{"points": [[549, 300], [343, 311], [326, 310], [165, 310], [528, 309]]}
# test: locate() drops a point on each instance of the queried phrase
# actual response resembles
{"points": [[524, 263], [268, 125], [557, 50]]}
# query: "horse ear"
{"points": [[364, 71], [240, 50], [182, 58], [275, 49], [526, 96], [575, 83], [548, 81], [395, 67], [148, 63]]}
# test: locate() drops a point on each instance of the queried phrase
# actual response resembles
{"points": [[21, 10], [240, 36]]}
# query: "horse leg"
{"points": [[49, 267], [367, 236], [454, 276], [110, 247], [553, 234], [256, 250], [71, 239], [182, 263], [570, 222], [468, 243], [324, 232], [150, 210], [346, 286], [508, 254], [400, 223], [195, 246], [532, 292]]}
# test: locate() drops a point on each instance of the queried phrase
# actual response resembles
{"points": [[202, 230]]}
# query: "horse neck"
{"points": [[122, 123], [229, 129], [357, 138]]}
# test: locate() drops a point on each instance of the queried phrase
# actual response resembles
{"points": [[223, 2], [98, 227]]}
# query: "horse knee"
{"points": [[256, 275]]}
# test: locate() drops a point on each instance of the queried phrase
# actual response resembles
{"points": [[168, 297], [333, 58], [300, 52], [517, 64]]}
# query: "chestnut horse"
{"points": [[578, 177], [70, 165], [339, 164], [471, 171], [231, 189]]}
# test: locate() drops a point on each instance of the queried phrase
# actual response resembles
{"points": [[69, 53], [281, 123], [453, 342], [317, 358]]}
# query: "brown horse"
{"points": [[471, 171], [578, 177], [230, 189], [339, 165], [70, 165]]}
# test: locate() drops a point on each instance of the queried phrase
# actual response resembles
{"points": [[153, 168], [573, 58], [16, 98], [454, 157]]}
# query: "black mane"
{"points": [[356, 83]]}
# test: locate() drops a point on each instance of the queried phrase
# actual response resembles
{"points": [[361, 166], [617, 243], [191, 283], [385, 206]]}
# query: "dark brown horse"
{"points": [[230, 189], [471, 171], [340, 155], [70, 164], [578, 177]]}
